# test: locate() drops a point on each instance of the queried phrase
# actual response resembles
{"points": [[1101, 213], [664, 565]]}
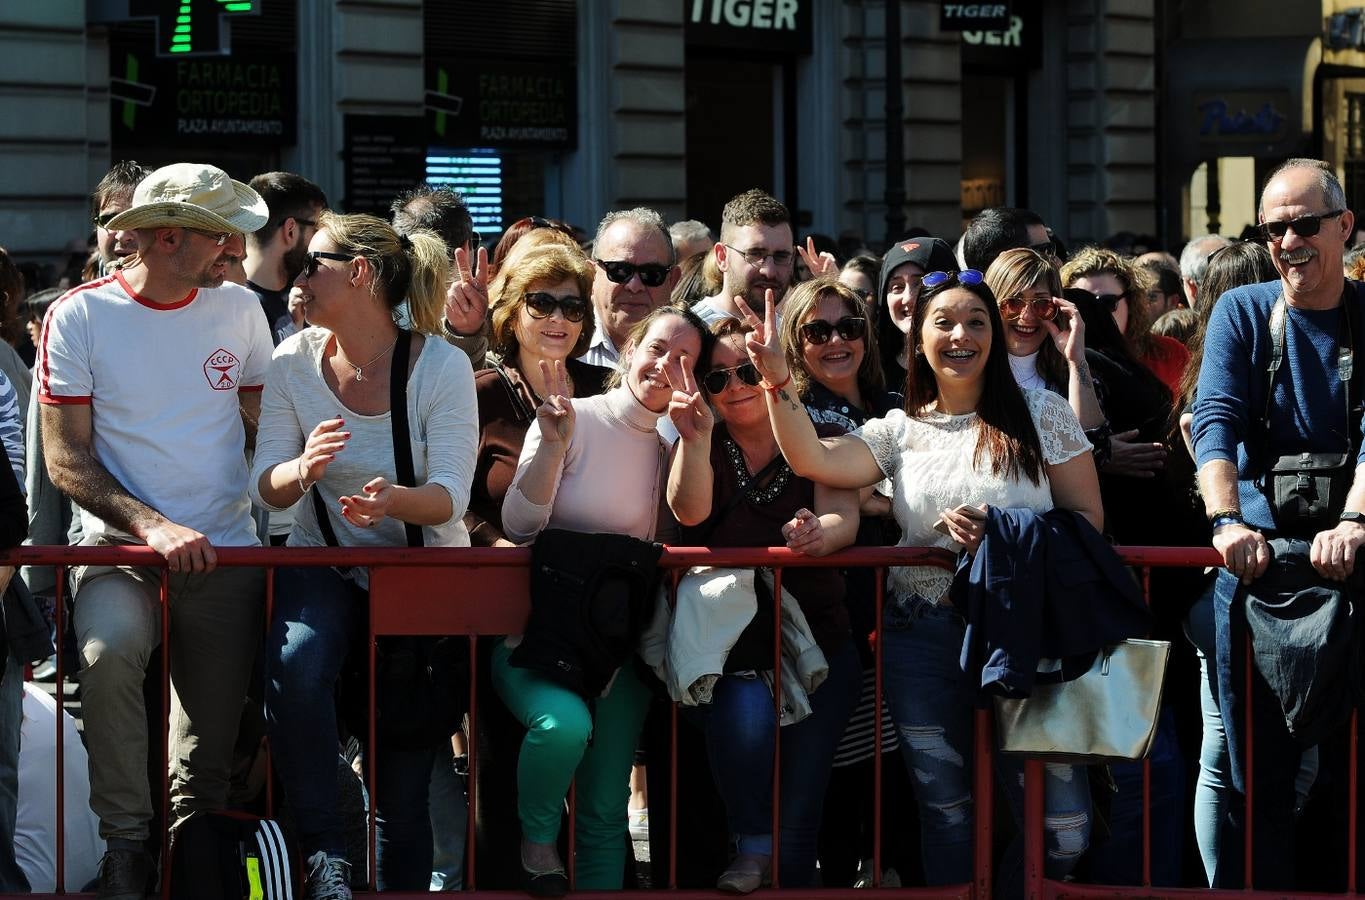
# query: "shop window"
{"points": [[1354, 160], [1222, 197]]}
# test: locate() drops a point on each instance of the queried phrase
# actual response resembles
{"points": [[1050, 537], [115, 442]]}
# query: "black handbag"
{"points": [[1307, 491]]}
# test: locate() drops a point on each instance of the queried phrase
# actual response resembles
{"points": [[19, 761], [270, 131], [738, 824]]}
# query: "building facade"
{"points": [[570, 108]]}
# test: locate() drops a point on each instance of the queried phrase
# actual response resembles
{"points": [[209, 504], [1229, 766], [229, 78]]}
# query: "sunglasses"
{"points": [[103, 219], [818, 331], [1304, 226], [718, 380], [311, 263], [651, 274], [1013, 307], [966, 276], [540, 305], [1108, 301], [1046, 248]]}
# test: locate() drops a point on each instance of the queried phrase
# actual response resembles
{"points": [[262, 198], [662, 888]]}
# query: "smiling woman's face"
{"points": [[834, 363], [956, 337]]}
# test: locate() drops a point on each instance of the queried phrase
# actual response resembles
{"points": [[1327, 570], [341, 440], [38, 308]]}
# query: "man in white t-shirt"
{"points": [[150, 381]]}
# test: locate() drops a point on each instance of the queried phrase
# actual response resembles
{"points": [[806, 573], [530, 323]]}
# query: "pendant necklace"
{"points": [[359, 370]]}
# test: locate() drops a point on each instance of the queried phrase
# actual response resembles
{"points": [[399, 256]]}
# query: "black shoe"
{"points": [[546, 884], [124, 875], [550, 883]]}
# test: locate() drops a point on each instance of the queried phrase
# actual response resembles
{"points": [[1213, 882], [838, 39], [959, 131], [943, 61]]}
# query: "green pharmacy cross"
{"points": [[192, 27]]}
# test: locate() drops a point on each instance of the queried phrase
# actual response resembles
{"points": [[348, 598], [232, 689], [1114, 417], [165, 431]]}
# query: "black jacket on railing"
{"points": [[22, 626], [1041, 586]]}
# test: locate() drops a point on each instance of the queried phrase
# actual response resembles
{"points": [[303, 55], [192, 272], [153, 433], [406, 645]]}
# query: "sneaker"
{"points": [[747, 872], [123, 875], [329, 878], [639, 824]]}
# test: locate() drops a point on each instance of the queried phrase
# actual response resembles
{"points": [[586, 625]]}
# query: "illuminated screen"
{"points": [[475, 174]]}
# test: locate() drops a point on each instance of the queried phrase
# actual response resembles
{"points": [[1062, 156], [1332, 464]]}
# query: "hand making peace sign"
{"points": [[764, 344], [467, 297], [555, 415], [688, 410]]}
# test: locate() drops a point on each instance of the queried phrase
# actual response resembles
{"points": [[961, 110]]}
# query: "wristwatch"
{"points": [[1356, 517], [1228, 518]]}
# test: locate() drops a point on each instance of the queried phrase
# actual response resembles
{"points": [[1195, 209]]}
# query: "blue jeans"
{"points": [[739, 725], [12, 878], [931, 702], [318, 617], [449, 821], [1215, 777]]}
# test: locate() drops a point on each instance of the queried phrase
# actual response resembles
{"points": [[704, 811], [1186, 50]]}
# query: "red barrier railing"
{"points": [[411, 594]]}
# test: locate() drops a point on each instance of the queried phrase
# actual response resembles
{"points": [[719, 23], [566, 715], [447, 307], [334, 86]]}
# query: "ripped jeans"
{"points": [[931, 702]]}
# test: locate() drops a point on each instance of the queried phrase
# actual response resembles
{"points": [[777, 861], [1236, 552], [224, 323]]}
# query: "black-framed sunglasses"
{"points": [[620, 272], [967, 276], [311, 262], [756, 256], [1304, 226], [1108, 301], [717, 380], [1043, 307], [819, 331], [540, 305], [1046, 248], [103, 219]]}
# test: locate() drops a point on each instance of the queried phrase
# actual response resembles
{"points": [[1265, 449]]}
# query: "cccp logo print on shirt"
{"points": [[223, 370]]}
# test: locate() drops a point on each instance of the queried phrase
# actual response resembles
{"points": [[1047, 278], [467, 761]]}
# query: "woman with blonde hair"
{"points": [[1121, 286], [328, 427]]}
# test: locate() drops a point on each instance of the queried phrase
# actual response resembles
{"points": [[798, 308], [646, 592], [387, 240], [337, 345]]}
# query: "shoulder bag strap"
{"points": [[398, 417]]}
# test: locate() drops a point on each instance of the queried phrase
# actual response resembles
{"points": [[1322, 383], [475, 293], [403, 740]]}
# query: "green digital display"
{"points": [[192, 27]]}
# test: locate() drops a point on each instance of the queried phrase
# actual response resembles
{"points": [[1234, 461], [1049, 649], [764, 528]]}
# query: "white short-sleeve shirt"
{"points": [[162, 384], [931, 463]]}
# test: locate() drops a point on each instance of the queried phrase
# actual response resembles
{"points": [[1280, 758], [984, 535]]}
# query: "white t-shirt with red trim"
{"points": [[162, 385]]}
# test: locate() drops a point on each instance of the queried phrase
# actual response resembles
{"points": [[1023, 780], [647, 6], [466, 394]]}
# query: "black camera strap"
{"points": [[1345, 363]]}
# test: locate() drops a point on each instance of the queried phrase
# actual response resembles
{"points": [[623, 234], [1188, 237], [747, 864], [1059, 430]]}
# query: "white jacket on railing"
{"points": [[687, 645]]}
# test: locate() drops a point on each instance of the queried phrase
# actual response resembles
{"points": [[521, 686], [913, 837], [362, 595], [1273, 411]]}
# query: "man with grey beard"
{"points": [[755, 254], [1255, 424]]}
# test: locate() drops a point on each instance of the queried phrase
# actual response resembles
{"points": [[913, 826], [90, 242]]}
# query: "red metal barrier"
{"points": [[413, 593]]}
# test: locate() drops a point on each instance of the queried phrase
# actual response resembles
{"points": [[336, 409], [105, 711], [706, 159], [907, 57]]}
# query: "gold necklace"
{"points": [[359, 370]]}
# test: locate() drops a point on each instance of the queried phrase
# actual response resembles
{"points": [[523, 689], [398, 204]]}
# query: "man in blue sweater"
{"points": [[1238, 435]]}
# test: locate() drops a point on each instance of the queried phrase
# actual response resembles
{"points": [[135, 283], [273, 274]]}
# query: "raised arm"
{"points": [[841, 462], [690, 478], [527, 505]]}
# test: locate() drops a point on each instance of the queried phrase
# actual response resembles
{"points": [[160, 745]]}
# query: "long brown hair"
{"points": [[799, 305], [1007, 435], [1014, 272]]}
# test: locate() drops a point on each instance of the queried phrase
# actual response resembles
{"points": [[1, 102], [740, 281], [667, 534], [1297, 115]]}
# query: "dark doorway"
{"points": [[732, 115]]}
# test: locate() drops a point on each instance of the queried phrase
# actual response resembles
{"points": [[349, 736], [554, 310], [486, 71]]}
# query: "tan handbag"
{"points": [[1108, 713]]}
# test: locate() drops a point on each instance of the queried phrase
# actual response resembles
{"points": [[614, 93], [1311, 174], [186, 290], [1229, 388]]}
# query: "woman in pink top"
{"points": [[592, 464]]}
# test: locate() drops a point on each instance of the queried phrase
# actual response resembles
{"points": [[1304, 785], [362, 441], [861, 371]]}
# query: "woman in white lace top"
{"points": [[969, 436]]}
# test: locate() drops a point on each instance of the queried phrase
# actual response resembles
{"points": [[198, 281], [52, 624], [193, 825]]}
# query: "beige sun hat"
{"points": [[193, 195]]}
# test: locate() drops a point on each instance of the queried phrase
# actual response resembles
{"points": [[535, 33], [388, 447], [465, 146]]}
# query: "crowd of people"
{"points": [[237, 364]]}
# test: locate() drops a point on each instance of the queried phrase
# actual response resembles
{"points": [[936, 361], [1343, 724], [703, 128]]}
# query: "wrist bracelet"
{"points": [[304, 485], [1221, 521], [1224, 513], [774, 388]]}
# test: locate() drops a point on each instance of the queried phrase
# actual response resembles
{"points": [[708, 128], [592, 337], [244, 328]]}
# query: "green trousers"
{"points": [[556, 751]]}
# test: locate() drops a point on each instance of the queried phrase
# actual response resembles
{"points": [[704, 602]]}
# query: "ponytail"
{"points": [[412, 267], [427, 284]]}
